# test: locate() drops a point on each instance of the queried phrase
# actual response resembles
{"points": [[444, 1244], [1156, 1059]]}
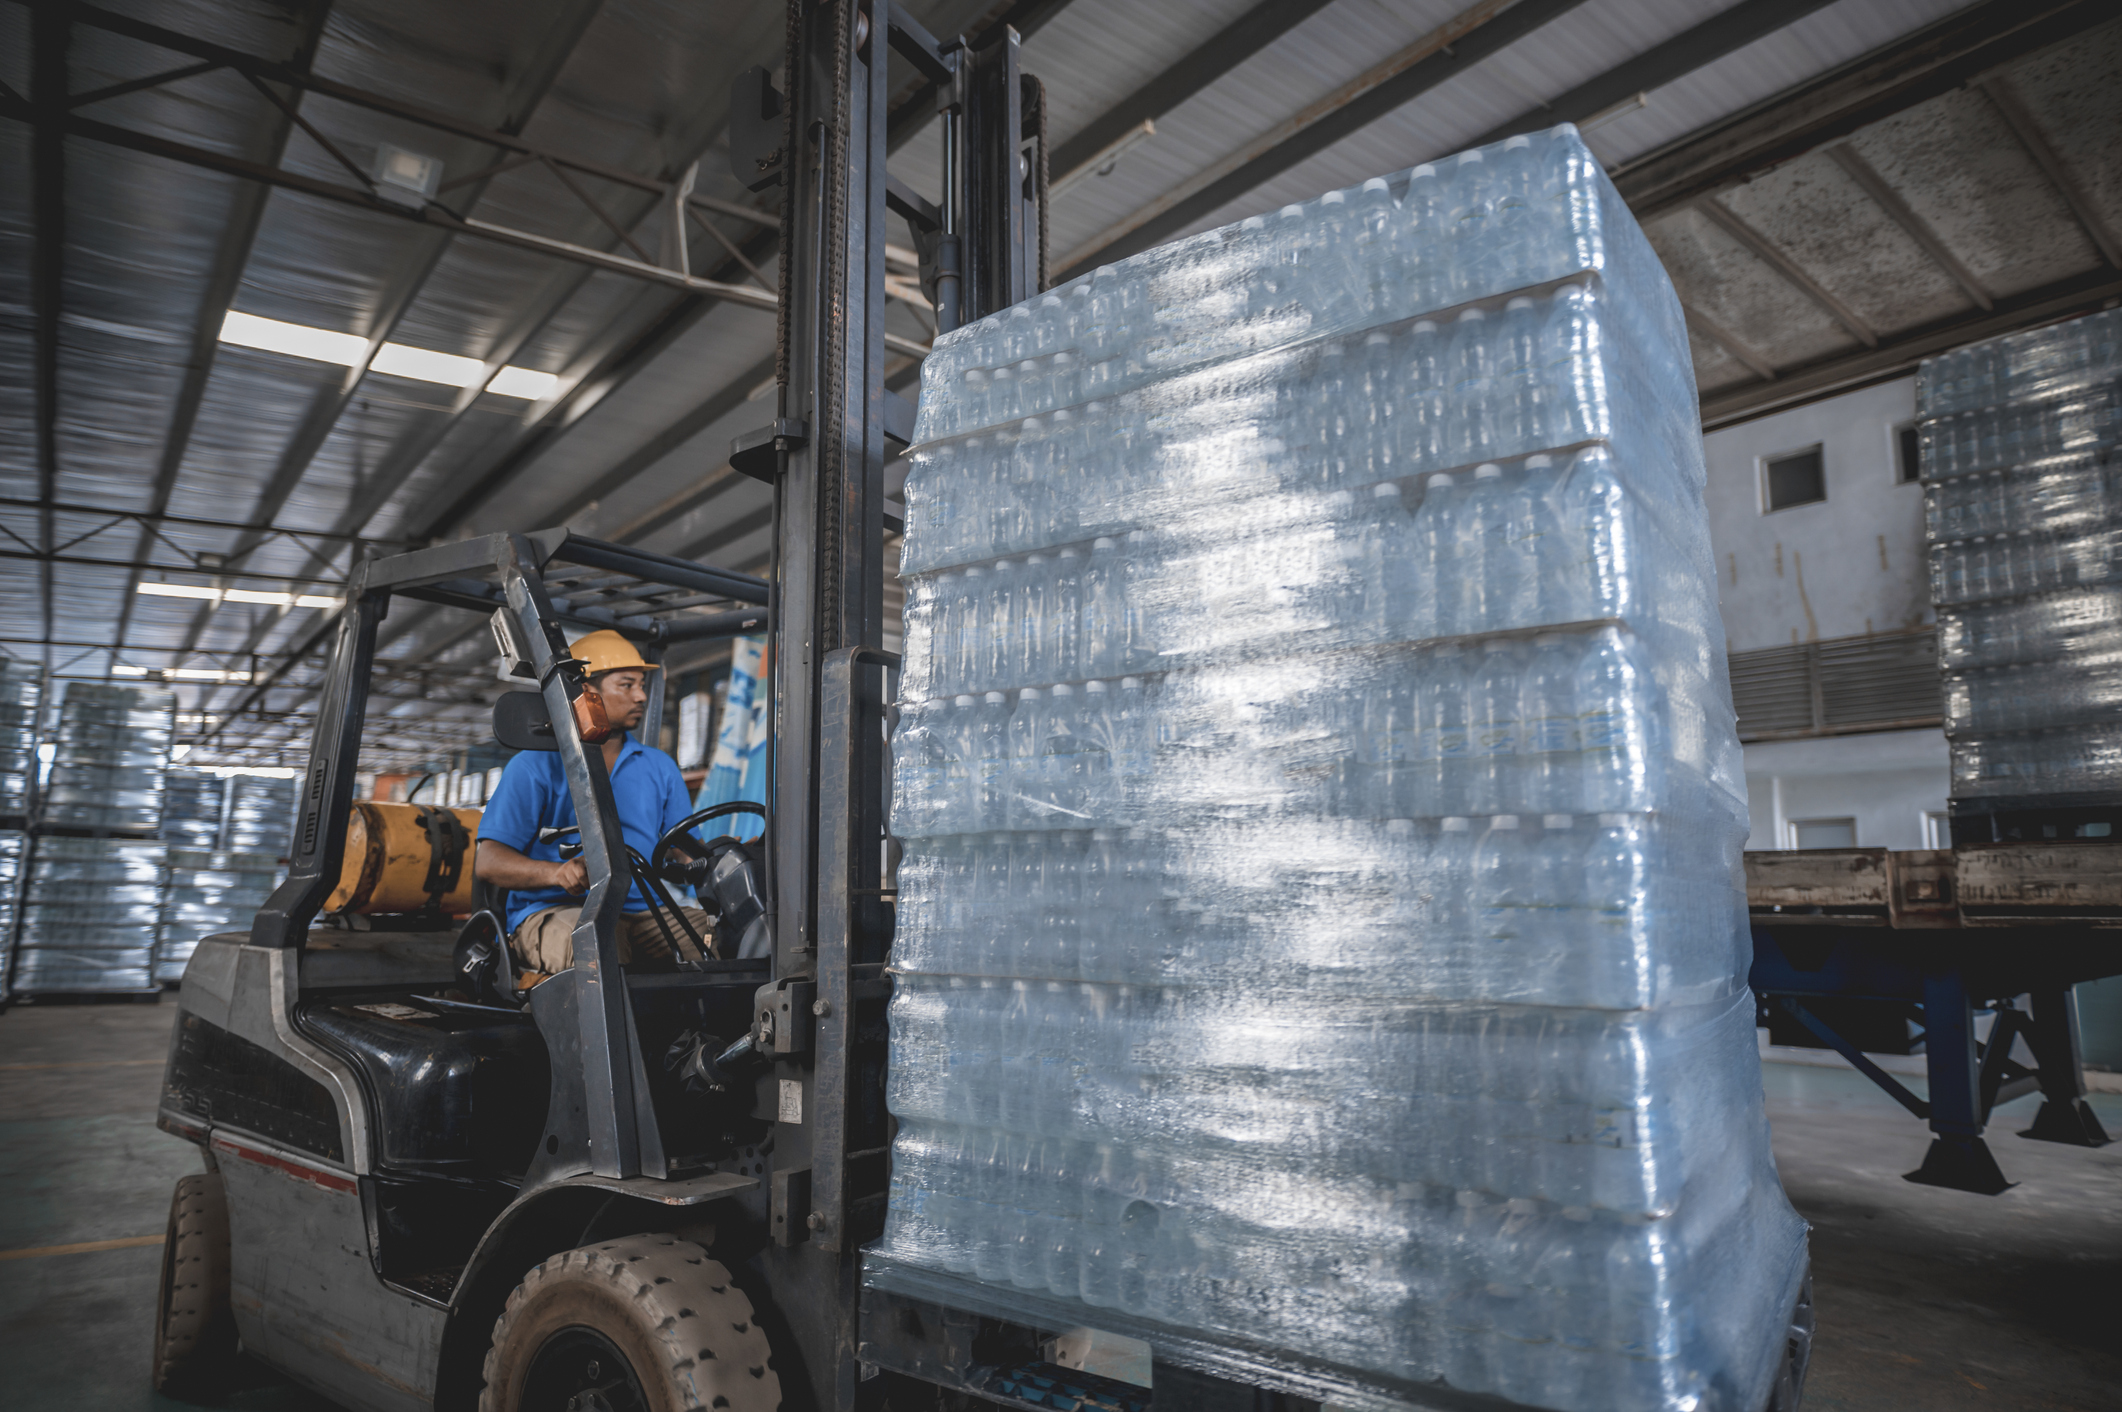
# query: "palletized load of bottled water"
{"points": [[109, 760], [14, 847], [89, 911], [209, 893], [261, 815], [2024, 519], [21, 689], [192, 803], [1321, 808]]}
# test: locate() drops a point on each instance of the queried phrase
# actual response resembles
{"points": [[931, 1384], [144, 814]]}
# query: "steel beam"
{"points": [[1770, 254], [1449, 50], [1889, 200], [48, 45], [1727, 340], [1890, 79], [1231, 46], [2081, 294], [1027, 17], [2059, 176]]}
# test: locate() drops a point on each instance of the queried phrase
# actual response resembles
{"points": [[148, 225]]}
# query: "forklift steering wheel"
{"points": [[679, 835]]}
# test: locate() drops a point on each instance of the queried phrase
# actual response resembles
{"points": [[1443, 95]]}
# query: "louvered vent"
{"points": [[1882, 682]]}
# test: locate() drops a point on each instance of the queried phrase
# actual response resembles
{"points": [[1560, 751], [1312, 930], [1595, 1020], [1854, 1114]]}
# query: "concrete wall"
{"points": [[1887, 782], [1845, 566]]}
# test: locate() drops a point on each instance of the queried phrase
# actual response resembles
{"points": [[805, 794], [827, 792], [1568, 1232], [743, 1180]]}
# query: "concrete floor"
{"points": [[1927, 1299]]}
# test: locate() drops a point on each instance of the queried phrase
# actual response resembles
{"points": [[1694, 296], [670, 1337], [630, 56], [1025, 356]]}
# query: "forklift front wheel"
{"points": [[646, 1322], [195, 1332]]}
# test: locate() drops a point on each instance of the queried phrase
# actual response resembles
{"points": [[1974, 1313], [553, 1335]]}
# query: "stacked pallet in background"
{"points": [[14, 847], [192, 804], [1319, 930], [90, 907], [20, 693], [2024, 516], [110, 758], [261, 815], [209, 892]]}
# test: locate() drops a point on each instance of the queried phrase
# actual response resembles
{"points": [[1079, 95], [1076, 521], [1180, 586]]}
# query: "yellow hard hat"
{"points": [[608, 651]]}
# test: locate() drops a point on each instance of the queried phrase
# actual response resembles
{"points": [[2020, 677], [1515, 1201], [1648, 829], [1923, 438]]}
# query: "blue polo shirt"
{"points": [[533, 795]]}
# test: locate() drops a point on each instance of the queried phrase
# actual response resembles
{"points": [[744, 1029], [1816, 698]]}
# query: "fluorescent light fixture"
{"points": [[424, 365], [178, 752], [318, 600], [525, 383], [249, 331], [180, 590], [127, 669], [271, 772], [252, 595], [396, 359]]}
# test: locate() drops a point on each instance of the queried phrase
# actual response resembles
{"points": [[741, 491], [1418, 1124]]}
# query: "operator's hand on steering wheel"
{"points": [[571, 876]]}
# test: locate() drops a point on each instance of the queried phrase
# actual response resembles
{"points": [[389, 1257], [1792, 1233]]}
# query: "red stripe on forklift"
{"points": [[330, 1181]]}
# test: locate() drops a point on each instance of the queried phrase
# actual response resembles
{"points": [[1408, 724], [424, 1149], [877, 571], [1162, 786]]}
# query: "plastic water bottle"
{"points": [[1494, 730], [1616, 729], [1472, 426], [1473, 210], [1570, 356], [1104, 632], [1002, 624], [1484, 523], [1423, 240], [1499, 897], [1064, 619], [1389, 749], [1097, 743], [1377, 407], [1554, 882], [1420, 425], [1139, 569], [1027, 740], [1599, 516], [1516, 255], [1454, 872], [969, 632], [1382, 554], [1060, 774], [987, 758], [1436, 584], [1445, 728], [1548, 710], [1520, 410]]}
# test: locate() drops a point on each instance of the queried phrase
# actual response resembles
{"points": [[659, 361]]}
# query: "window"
{"points": [[1796, 478], [1937, 829], [1823, 833], [1908, 457]]}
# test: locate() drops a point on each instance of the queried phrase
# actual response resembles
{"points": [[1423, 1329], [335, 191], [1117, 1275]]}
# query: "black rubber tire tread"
{"points": [[672, 1310], [195, 1330]]}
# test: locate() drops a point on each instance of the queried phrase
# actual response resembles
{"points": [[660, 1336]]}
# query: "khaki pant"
{"points": [[545, 940]]}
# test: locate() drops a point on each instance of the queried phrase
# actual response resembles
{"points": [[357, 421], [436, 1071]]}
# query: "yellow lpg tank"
{"points": [[405, 857]]}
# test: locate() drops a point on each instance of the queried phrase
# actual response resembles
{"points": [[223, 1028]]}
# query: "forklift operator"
{"points": [[533, 795]]}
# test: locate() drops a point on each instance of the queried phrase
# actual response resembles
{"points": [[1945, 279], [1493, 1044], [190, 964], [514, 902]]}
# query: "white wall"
{"points": [[1848, 565], [1886, 781]]}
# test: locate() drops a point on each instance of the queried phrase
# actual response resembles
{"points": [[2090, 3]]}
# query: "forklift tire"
{"points": [[195, 1331], [646, 1323]]}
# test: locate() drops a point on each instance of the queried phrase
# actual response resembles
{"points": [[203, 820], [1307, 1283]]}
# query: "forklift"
{"points": [[432, 1184]]}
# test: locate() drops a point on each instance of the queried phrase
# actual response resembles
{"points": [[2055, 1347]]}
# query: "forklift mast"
{"points": [[824, 454]]}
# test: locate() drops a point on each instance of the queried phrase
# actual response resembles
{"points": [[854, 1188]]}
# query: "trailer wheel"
{"points": [[647, 1323], [195, 1332]]}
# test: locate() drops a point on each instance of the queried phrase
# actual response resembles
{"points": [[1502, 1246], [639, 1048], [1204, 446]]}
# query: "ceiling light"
{"points": [[317, 600], [530, 385], [126, 669], [178, 752], [180, 590], [407, 178], [252, 595], [425, 365], [395, 359], [249, 331]]}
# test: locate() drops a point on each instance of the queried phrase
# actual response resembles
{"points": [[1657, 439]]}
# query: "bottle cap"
{"points": [[1030, 693], [1613, 821], [1538, 462], [1095, 687], [1334, 198], [975, 572], [1031, 559], [1376, 337], [1456, 825], [1102, 835], [994, 698], [1425, 170], [1399, 825], [1376, 184], [1425, 326], [1384, 489], [1504, 821], [961, 701], [1496, 644], [1291, 212], [1487, 471], [1001, 564], [1466, 316], [1130, 683], [1253, 223], [1513, 143], [1064, 689], [1557, 821], [1001, 375], [1061, 359], [1519, 301], [1472, 158], [1441, 479], [1071, 553]]}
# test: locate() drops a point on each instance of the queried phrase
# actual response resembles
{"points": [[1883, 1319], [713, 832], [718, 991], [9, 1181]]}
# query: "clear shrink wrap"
{"points": [[2023, 513], [14, 847], [261, 815], [209, 893], [191, 808], [90, 907], [21, 689], [1318, 921]]}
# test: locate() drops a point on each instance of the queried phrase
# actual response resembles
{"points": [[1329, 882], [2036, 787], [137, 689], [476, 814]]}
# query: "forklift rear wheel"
{"points": [[195, 1332], [647, 1323]]}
